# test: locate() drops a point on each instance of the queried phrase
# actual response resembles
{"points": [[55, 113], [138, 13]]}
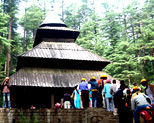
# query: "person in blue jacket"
{"points": [[94, 89], [108, 96]]}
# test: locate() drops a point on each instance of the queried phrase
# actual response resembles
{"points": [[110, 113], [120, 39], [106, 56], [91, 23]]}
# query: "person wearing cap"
{"points": [[83, 86], [76, 97], [100, 88], [6, 92], [94, 89], [148, 91], [135, 84], [102, 82], [108, 96], [139, 102]]}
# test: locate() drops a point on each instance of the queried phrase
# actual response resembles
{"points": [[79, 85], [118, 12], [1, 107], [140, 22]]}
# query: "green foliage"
{"points": [[31, 21], [23, 119], [30, 120], [4, 17], [125, 38]]}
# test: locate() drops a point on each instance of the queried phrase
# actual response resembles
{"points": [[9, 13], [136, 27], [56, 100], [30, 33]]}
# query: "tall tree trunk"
{"points": [[8, 52], [152, 54], [129, 78], [24, 39], [145, 63], [142, 71], [125, 23], [132, 26], [34, 34], [153, 64]]}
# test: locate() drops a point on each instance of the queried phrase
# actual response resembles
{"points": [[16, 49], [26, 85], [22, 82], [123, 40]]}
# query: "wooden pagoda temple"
{"points": [[54, 65]]}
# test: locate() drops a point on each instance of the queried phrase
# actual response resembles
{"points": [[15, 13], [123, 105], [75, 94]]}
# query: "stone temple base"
{"points": [[88, 115]]}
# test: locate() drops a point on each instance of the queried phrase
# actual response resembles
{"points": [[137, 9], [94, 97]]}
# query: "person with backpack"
{"points": [[6, 92], [139, 102]]}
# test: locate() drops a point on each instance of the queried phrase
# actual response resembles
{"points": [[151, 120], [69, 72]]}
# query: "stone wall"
{"points": [[89, 115]]}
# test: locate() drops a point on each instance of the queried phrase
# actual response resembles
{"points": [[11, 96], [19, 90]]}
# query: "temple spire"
{"points": [[52, 20]]}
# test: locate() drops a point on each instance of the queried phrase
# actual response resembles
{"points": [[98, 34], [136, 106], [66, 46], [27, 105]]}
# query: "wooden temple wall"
{"points": [[25, 97]]}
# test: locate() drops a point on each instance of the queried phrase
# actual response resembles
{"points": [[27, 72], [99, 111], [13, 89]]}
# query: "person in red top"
{"points": [[101, 86], [6, 92], [58, 105]]}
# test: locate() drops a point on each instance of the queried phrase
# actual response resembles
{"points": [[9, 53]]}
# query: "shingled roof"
{"points": [[58, 50], [61, 55], [47, 77]]}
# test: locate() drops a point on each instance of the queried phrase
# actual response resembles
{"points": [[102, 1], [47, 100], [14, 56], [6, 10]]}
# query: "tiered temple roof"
{"points": [[55, 60]]}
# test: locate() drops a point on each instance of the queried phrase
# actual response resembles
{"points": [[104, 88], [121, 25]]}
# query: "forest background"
{"points": [[123, 34]]}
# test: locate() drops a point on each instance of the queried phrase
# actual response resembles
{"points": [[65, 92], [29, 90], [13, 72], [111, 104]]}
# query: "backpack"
{"points": [[147, 116], [101, 85]]}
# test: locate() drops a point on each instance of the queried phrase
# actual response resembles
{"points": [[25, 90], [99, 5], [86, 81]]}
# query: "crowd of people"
{"points": [[127, 102]]}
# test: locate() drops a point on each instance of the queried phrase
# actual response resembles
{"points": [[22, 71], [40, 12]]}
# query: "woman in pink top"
{"points": [[6, 92]]}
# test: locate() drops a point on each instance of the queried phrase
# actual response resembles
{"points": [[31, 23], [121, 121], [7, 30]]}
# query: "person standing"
{"points": [[112, 92], [108, 96], [120, 104], [83, 86], [148, 91], [94, 89], [100, 88], [6, 92], [104, 77], [76, 97], [67, 100]]}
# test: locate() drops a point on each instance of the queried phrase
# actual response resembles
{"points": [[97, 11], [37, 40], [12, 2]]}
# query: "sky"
{"points": [[119, 4]]}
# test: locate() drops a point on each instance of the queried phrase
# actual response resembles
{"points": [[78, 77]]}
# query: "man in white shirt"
{"points": [[113, 89]]}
